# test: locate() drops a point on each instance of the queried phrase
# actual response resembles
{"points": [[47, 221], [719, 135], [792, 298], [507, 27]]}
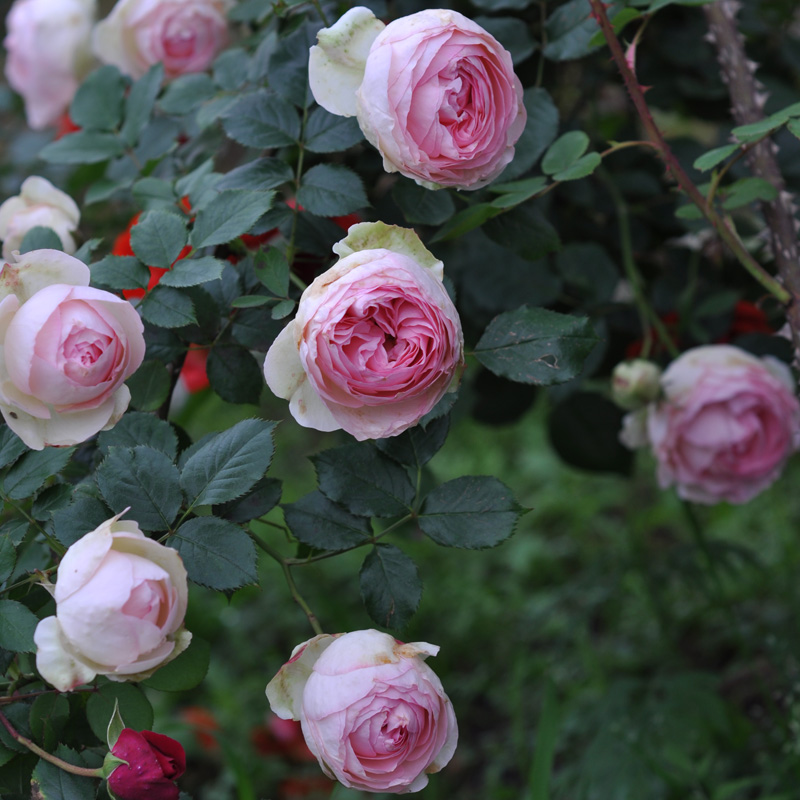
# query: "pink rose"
{"points": [[47, 48], [372, 712], [120, 603], [433, 91], [376, 341], [65, 350], [38, 203], [186, 35], [725, 427]]}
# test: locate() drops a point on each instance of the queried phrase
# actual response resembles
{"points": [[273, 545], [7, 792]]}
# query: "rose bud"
{"points": [[372, 712], [65, 350], [452, 120], [635, 383], [725, 426], [120, 603], [154, 762], [38, 203], [47, 47], [376, 341], [185, 35]]}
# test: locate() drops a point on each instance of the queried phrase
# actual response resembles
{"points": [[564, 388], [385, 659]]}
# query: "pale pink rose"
{"points": [[38, 203], [65, 350], [433, 91], [726, 425], [376, 342], [120, 603], [47, 54], [372, 712], [185, 35]]}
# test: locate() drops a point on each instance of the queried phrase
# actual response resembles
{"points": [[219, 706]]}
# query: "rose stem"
{"points": [[34, 748], [674, 167]]}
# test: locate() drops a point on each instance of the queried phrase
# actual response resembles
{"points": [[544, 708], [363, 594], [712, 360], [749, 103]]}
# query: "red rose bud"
{"points": [[154, 762]]}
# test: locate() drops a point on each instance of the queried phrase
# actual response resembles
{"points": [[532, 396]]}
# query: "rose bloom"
{"points": [[120, 603], [186, 35], [433, 91], [376, 341], [726, 425], [48, 55], [154, 762], [39, 203], [65, 350], [372, 712]]}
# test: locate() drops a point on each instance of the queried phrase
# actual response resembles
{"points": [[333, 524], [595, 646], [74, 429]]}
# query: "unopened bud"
{"points": [[635, 383]]}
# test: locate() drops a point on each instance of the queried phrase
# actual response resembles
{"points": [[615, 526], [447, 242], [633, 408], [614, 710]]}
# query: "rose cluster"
{"points": [[51, 45]]}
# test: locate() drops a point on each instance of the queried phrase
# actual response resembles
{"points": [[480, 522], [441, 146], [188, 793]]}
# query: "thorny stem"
{"points": [[86, 772], [35, 578], [729, 236]]}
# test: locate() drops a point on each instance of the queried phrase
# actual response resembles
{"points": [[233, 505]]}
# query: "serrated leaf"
{"points": [[216, 553], [364, 481], [524, 231], [316, 521], [50, 500], [541, 129], [421, 206], [260, 500], [185, 672], [186, 92], [11, 446], [158, 238], [534, 345], [152, 193], [564, 152], [330, 133], [49, 714], [144, 479], [149, 386], [97, 104], [390, 586], [166, 307], [473, 512], [134, 707], [83, 515], [465, 221], [252, 301], [103, 189], [50, 782], [228, 465], [120, 272], [230, 68], [263, 173], [418, 445], [570, 29], [8, 557], [755, 130], [84, 252], [331, 190], [193, 272], [137, 427], [263, 120], [234, 374], [230, 214], [748, 190], [40, 238], [713, 157], [17, 624], [83, 147], [272, 269], [139, 103], [33, 470], [283, 309], [582, 168]]}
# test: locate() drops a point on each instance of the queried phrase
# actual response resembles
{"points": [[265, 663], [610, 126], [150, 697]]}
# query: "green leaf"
{"points": [[570, 30], [283, 309], [390, 586], [252, 301], [230, 214], [564, 152], [11, 446], [8, 557], [152, 193], [228, 465], [234, 374], [193, 272], [149, 385], [465, 221], [589, 271], [541, 129], [583, 167], [713, 157], [260, 500], [272, 269], [288, 65], [50, 500], [166, 307], [97, 105], [263, 120], [516, 192], [83, 515], [756, 130], [317, 522], [103, 189], [364, 481], [498, 5], [263, 173], [421, 206], [514, 37], [50, 782], [40, 238], [418, 445], [84, 252], [49, 715], [331, 190], [748, 190], [137, 427], [230, 68], [184, 672], [139, 103], [473, 512], [34, 469], [216, 553], [187, 92], [794, 127], [618, 22], [330, 133], [83, 147], [158, 238], [134, 707], [545, 748], [17, 624], [534, 345], [524, 231], [120, 272], [144, 479]]}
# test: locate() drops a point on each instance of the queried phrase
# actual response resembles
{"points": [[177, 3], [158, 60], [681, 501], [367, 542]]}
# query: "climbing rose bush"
{"points": [[120, 603], [372, 712], [376, 342], [451, 120], [726, 425]]}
